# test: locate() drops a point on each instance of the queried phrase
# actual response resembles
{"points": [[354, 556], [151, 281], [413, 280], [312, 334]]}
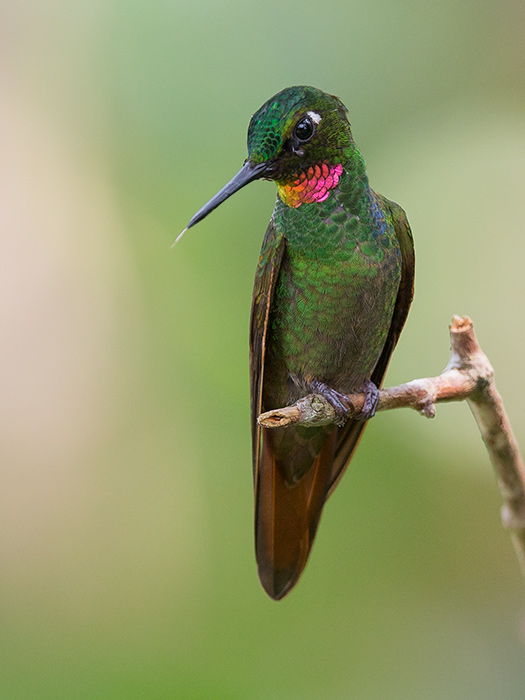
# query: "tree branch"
{"points": [[468, 376]]}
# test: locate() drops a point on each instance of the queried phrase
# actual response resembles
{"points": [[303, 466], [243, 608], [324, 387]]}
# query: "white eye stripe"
{"points": [[316, 118]]}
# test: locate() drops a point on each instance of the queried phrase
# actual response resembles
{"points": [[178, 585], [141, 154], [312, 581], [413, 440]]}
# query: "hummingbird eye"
{"points": [[304, 129]]}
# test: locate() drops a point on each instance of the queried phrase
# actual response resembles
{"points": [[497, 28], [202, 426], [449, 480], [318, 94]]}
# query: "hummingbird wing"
{"points": [[287, 510], [348, 437], [266, 275]]}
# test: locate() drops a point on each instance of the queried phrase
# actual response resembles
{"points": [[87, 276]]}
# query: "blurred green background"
{"points": [[127, 566]]}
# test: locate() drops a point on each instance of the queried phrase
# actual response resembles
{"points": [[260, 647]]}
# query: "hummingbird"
{"points": [[333, 286]]}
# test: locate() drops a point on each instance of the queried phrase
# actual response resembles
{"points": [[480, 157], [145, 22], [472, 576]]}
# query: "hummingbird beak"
{"points": [[246, 174]]}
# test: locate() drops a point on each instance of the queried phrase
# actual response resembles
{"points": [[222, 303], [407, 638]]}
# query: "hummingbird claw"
{"points": [[334, 398], [371, 393], [339, 404]]}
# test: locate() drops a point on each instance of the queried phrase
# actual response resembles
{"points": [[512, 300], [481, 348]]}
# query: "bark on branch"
{"points": [[468, 376]]}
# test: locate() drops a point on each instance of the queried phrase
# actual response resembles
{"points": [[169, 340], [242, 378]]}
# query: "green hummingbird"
{"points": [[333, 287]]}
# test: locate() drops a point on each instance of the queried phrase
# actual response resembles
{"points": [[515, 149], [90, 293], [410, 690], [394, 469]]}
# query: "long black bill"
{"points": [[246, 174]]}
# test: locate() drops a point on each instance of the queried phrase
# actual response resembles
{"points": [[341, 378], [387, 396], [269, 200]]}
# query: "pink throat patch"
{"points": [[313, 185]]}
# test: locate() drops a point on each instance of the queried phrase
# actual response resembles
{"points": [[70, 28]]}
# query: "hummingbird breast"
{"points": [[334, 297]]}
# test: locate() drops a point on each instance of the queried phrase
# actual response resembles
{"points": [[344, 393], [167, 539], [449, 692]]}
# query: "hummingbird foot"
{"points": [[371, 393], [335, 399]]}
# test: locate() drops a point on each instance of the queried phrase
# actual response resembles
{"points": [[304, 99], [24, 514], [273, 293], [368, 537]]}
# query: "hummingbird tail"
{"points": [[287, 515]]}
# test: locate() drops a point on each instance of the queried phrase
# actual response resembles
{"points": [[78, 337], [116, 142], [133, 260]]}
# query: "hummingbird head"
{"points": [[296, 128], [299, 138], [303, 137]]}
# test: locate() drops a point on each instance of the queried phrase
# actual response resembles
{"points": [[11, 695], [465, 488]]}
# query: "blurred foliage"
{"points": [[126, 499]]}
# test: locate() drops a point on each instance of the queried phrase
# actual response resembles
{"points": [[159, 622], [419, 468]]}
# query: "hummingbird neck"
{"points": [[312, 185], [315, 182], [354, 184]]}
